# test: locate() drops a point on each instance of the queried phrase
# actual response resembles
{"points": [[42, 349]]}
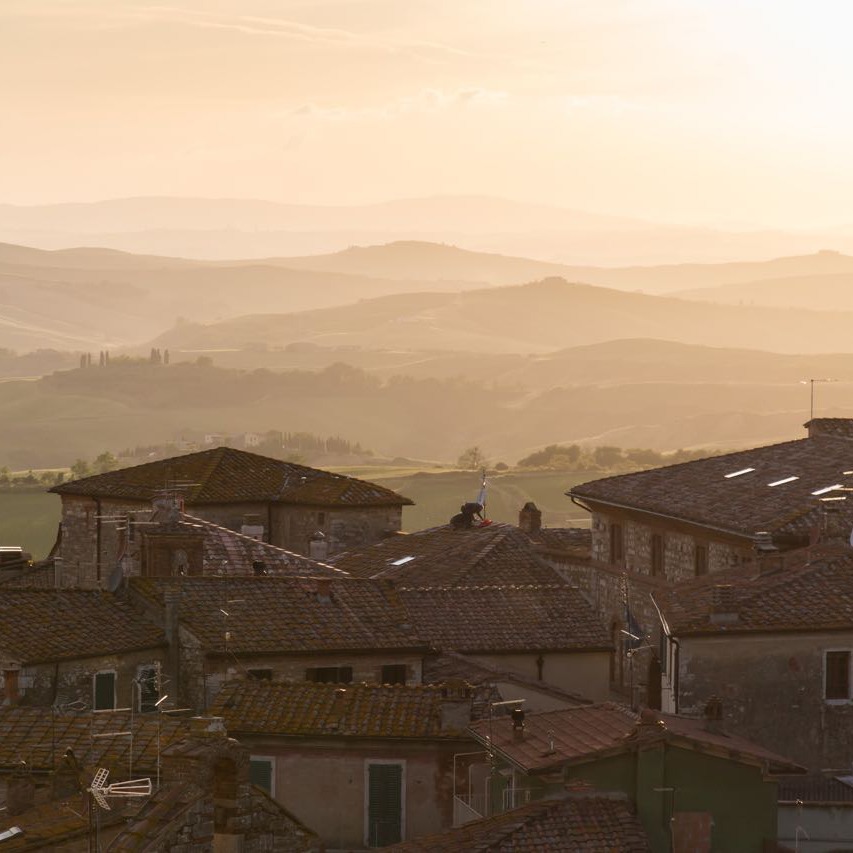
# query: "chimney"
{"points": [[455, 708], [259, 568], [11, 672], [324, 589], [724, 604], [834, 524], [208, 727], [713, 715], [318, 547], [766, 553], [253, 527], [339, 704], [530, 518], [20, 791], [835, 427], [517, 723]]}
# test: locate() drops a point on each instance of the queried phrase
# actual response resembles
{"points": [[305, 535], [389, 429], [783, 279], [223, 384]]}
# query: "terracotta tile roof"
{"points": [[511, 618], [167, 812], [571, 539], [814, 593], [40, 738], [225, 547], [589, 823], [608, 728], [226, 475], [38, 625], [444, 556], [816, 789], [700, 492], [287, 615], [351, 710], [51, 826]]}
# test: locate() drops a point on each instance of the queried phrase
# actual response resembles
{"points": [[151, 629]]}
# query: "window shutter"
{"points": [[385, 804], [260, 773], [105, 691], [837, 675]]}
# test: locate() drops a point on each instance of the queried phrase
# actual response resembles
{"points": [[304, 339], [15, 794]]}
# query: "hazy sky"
{"points": [[720, 111]]}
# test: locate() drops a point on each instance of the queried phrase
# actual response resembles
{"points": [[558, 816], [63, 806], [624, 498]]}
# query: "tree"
{"points": [[105, 462], [606, 456], [80, 468], [471, 459]]}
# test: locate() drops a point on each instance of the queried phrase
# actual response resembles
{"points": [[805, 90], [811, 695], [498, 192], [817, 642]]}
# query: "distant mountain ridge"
{"points": [[221, 229]]}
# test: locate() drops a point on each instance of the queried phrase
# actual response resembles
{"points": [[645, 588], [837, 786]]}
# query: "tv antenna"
{"points": [[100, 790], [811, 382]]}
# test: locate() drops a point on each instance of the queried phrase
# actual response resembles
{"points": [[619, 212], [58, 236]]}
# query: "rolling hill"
{"points": [[532, 318]]}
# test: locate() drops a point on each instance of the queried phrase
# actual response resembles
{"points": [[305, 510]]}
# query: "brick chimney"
{"points": [[455, 707], [724, 604], [530, 518], [836, 427], [766, 553], [318, 547]]}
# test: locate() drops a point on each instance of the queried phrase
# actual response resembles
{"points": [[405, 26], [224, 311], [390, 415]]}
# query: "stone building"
{"points": [[701, 517], [692, 786], [339, 630], [281, 503], [208, 802], [80, 647], [776, 646], [367, 765]]}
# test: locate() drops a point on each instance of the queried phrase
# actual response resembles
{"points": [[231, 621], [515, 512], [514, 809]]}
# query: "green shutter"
{"points": [[260, 773], [385, 804], [105, 691]]}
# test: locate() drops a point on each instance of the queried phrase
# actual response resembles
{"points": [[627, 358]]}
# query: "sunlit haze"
{"points": [[723, 112]]}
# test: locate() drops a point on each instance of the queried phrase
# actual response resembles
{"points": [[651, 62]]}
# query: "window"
{"points": [[700, 560], [148, 679], [321, 518], [394, 673], [657, 554], [616, 552], [384, 806], [262, 772], [329, 674], [260, 674], [837, 676], [104, 689]]}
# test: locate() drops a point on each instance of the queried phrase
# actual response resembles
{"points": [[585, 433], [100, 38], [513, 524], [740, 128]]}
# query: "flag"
{"points": [[481, 496]]}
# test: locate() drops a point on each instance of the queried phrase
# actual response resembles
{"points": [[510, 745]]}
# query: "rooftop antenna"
{"points": [[811, 382]]}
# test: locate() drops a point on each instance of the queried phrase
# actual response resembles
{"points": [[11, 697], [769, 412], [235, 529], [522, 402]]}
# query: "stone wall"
{"points": [[44, 685], [772, 691], [343, 528], [679, 546]]}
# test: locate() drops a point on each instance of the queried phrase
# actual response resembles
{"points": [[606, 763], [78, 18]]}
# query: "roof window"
{"points": [[783, 481], [738, 473]]}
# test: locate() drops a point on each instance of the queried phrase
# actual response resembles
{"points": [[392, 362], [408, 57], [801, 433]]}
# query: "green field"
{"points": [[29, 519]]}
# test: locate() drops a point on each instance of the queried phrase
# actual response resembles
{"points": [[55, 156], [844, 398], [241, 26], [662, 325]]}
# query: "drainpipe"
{"points": [[98, 540]]}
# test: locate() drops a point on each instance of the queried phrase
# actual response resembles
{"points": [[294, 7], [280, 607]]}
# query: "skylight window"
{"points": [[738, 473], [402, 561], [783, 481], [826, 489]]}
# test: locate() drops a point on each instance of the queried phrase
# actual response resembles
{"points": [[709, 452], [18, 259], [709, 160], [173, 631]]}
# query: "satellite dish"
{"points": [[116, 578], [132, 788]]}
